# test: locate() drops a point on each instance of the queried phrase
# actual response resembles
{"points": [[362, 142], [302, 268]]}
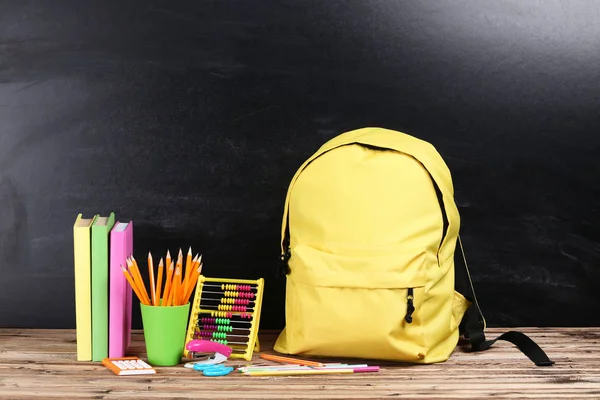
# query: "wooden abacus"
{"points": [[227, 311]]}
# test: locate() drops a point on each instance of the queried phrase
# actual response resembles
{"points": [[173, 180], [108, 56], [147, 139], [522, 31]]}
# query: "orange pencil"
{"points": [[159, 280], [192, 285], [193, 279], [288, 360], [178, 265], [133, 285], [187, 283], [176, 286], [135, 274], [170, 297], [188, 268], [179, 262], [151, 275], [168, 283], [171, 301], [168, 260]]}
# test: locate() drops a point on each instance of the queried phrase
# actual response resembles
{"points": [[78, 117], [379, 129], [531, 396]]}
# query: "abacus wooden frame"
{"points": [[253, 342]]}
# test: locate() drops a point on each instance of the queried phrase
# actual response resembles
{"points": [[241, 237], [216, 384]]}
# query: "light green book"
{"points": [[100, 285]]}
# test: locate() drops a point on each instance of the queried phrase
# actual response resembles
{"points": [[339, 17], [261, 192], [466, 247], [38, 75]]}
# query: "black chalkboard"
{"points": [[191, 117]]}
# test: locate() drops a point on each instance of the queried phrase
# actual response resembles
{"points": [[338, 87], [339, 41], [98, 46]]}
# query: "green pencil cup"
{"points": [[165, 328]]}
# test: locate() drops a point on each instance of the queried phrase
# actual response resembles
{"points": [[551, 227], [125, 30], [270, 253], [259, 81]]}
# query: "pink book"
{"points": [[120, 292]]}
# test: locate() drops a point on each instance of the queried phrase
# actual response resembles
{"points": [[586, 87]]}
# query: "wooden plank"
{"points": [[42, 364]]}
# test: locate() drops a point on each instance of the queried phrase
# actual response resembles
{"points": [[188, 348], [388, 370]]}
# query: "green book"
{"points": [[100, 285]]}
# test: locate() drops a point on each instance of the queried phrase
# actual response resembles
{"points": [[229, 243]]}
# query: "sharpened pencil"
{"points": [[289, 360], [159, 280], [176, 286], [151, 275], [188, 283], [133, 285], [188, 269], [168, 282], [133, 267], [193, 280]]}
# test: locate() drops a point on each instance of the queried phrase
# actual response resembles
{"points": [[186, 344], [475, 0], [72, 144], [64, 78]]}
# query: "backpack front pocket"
{"points": [[352, 302]]}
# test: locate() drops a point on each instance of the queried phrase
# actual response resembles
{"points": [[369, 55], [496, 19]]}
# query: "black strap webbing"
{"points": [[473, 324]]}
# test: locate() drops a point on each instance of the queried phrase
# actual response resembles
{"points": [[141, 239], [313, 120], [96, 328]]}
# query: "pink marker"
{"points": [[373, 368]]}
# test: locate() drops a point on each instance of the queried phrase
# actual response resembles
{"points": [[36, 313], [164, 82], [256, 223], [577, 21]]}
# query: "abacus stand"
{"points": [[225, 311]]}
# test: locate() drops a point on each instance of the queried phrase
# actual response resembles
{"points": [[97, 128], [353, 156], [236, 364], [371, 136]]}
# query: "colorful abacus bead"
{"points": [[220, 328], [221, 314], [230, 300]]}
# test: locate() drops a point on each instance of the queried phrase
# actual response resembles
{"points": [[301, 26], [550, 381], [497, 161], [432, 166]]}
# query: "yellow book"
{"points": [[83, 288]]}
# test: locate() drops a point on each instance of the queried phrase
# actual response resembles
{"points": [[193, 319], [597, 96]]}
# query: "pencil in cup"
{"points": [[179, 284], [134, 285], [138, 281]]}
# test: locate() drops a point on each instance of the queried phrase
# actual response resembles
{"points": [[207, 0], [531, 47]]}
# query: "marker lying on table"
{"points": [[310, 371], [252, 368]]}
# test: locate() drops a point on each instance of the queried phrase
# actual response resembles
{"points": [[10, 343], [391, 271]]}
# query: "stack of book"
{"points": [[103, 297]]}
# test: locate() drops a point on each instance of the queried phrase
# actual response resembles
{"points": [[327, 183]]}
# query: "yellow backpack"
{"points": [[369, 233]]}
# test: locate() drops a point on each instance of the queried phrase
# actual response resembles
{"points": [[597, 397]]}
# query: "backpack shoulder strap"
{"points": [[473, 323]]}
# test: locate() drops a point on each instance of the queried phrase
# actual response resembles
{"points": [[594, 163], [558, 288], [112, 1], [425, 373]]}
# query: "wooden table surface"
{"points": [[41, 364]]}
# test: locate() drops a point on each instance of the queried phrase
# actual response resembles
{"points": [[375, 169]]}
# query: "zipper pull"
{"points": [[283, 268], [410, 308]]}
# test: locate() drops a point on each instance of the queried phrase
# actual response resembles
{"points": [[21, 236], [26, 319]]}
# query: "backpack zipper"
{"points": [[283, 267], [410, 308]]}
